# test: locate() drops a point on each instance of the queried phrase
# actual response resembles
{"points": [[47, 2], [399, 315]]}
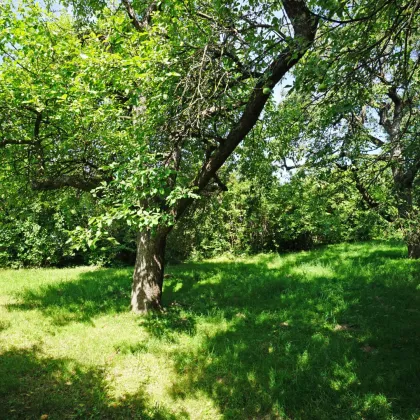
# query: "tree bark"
{"points": [[405, 213], [148, 271], [414, 251]]}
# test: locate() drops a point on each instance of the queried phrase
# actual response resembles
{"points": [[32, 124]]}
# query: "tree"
{"points": [[121, 101], [146, 114], [362, 111]]}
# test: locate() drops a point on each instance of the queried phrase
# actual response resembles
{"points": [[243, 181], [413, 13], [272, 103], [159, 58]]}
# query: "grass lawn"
{"points": [[327, 334]]}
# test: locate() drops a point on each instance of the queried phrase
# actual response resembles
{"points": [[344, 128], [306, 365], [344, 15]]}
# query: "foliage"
{"points": [[277, 214], [310, 209], [126, 104], [357, 102], [35, 230], [34, 233], [119, 99], [330, 334]]}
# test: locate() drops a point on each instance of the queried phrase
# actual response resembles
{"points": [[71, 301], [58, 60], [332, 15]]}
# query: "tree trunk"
{"points": [[404, 201], [404, 196], [414, 251], [148, 272], [408, 218]]}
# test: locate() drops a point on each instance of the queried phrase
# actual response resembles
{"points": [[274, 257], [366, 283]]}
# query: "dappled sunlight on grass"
{"points": [[77, 299], [328, 334], [39, 385]]}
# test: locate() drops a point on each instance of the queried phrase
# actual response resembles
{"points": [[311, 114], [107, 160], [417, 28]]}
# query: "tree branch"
{"points": [[75, 181], [288, 167], [305, 27], [219, 183], [367, 198], [142, 24], [375, 140], [5, 142]]}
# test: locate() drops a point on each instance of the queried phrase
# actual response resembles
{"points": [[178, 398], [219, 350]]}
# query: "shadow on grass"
{"points": [[32, 386], [173, 321], [328, 334], [93, 293], [4, 325]]}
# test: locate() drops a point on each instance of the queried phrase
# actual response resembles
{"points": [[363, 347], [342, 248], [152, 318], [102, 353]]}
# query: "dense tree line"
{"points": [[287, 213]]}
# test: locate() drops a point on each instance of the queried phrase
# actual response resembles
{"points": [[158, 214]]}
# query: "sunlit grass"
{"points": [[327, 334]]}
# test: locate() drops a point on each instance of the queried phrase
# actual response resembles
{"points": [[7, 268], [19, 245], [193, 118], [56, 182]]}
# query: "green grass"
{"points": [[327, 334]]}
